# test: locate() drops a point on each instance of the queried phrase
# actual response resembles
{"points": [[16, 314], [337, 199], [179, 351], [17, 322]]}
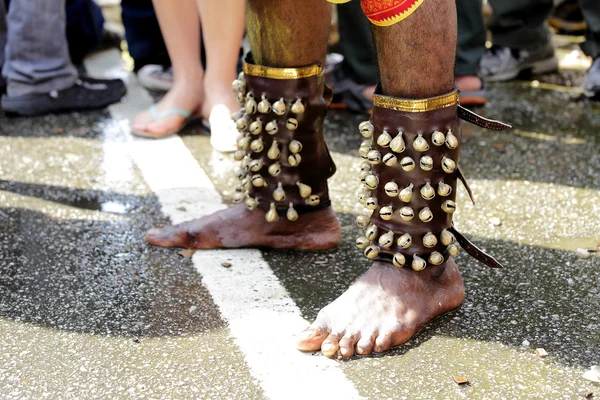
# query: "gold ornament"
{"points": [[264, 107], [399, 260], [387, 239], [397, 144], [295, 146], [404, 241], [407, 164], [279, 107], [436, 258], [420, 144], [298, 107], [438, 138], [451, 140], [271, 127], [425, 215], [426, 163], [406, 193], [418, 264], [391, 189], [294, 160], [291, 124], [384, 139], [271, 215], [274, 169], [279, 193], [305, 190], [291, 214], [449, 206], [386, 213], [444, 189], [389, 159], [427, 192], [366, 129], [448, 165], [274, 152], [429, 240], [407, 213], [371, 252]]}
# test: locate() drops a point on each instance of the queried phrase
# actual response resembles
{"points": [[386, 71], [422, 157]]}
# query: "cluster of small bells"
{"points": [[249, 142], [370, 182]]}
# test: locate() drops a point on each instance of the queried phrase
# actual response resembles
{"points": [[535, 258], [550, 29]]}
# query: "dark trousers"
{"points": [[471, 37]]}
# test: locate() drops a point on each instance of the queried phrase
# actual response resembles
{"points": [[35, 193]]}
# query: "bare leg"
{"points": [[236, 226], [387, 305], [180, 27]]}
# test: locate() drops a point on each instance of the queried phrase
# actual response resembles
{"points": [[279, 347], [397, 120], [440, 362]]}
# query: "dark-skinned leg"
{"points": [[387, 305], [291, 40]]}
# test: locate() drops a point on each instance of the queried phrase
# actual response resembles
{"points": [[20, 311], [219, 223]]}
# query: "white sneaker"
{"points": [[223, 131], [156, 77]]}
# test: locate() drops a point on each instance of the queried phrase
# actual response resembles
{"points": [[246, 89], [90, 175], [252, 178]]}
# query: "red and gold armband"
{"points": [[386, 12]]}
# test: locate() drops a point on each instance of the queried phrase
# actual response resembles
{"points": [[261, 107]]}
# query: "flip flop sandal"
{"points": [[473, 97], [190, 119]]}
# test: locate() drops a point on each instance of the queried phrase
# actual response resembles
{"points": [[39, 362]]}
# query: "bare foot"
{"points": [[469, 83], [384, 308], [237, 227], [186, 96]]}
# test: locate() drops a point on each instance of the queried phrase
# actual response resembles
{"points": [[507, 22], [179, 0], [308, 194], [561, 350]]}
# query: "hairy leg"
{"points": [[236, 226], [180, 26], [387, 305]]}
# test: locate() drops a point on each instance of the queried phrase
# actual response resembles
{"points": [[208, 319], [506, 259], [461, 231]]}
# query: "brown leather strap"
{"points": [[462, 178], [475, 251], [470, 116]]}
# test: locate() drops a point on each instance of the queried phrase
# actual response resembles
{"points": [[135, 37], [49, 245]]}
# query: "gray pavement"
{"points": [[88, 310]]}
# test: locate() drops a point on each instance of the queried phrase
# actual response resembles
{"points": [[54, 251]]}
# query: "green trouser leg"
{"points": [[591, 13], [520, 24], [471, 37]]}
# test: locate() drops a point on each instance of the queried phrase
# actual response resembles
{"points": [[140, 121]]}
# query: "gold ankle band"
{"points": [[416, 105], [282, 73]]}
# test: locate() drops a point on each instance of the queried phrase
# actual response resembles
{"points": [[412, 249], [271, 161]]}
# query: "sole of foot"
{"points": [[384, 308], [237, 227]]}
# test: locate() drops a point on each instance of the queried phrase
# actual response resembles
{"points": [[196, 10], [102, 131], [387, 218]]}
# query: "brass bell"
{"points": [[291, 214], [365, 166], [256, 165], [427, 192], [366, 143], [271, 127], [279, 193], [448, 165], [387, 239], [371, 203], [295, 146], [362, 175], [374, 157], [391, 189], [362, 242], [436, 258], [384, 139], [239, 188], [418, 264], [406, 193], [241, 76], [240, 174], [420, 144], [249, 95], [444, 189], [397, 144], [451, 140], [251, 203], [294, 160], [279, 107], [258, 181], [371, 232], [438, 138], [245, 164], [274, 169], [241, 99], [447, 238], [449, 206], [404, 241], [239, 197], [371, 252], [407, 164], [243, 143], [452, 250], [426, 163], [363, 196], [271, 215], [264, 107], [429, 240], [407, 213], [239, 155], [246, 184], [242, 123], [399, 260], [386, 213], [362, 220], [250, 106], [363, 151], [291, 124], [238, 86], [313, 200], [305, 190], [425, 215], [257, 145], [389, 159], [256, 127], [274, 152], [371, 181], [298, 107], [366, 129], [237, 115]]}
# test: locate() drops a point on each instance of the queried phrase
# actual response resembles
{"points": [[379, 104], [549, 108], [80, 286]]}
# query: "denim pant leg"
{"points": [[520, 24], [471, 37], [37, 53], [2, 33], [591, 13]]}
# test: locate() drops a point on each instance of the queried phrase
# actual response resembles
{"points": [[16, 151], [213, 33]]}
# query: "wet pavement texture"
{"points": [[88, 310]]}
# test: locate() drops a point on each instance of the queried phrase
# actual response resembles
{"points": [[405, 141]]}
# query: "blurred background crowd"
{"points": [[191, 53]]}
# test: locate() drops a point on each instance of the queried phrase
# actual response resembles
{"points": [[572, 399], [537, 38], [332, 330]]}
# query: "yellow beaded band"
{"points": [[282, 73], [419, 105]]}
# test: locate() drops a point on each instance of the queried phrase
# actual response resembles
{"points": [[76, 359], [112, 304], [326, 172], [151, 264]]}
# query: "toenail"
{"points": [[345, 352], [326, 347]]}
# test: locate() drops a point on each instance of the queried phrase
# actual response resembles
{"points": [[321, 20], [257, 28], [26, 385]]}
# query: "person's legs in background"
{"points": [[85, 24], [521, 39], [470, 49], [3, 29], [591, 47]]}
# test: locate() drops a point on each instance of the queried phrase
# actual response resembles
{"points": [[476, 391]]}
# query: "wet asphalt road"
{"points": [[88, 310]]}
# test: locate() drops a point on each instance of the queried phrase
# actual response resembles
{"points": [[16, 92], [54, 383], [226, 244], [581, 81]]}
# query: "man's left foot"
{"points": [[591, 87], [384, 308]]}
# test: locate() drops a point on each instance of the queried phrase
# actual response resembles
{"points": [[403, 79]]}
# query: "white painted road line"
{"points": [[262, 317]]}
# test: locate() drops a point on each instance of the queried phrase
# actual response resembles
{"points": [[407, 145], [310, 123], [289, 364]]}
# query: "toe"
{"points": [[311, 339], [383, 343], [167, 237], [331, 345], [365, 344], [347, 344]]}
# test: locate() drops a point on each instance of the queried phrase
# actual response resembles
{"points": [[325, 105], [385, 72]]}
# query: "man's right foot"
{"points": [[237, 227], [504, 64]]}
